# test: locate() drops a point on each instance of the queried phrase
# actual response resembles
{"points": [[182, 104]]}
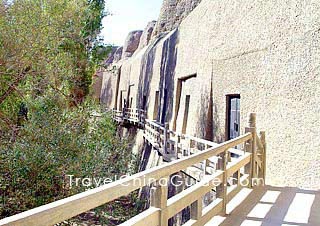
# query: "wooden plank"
{"points": [[259, 143], [236, 165], [233, 190], [210, 144], [258, 162], [248, 147], [222, 188], [159, 196], [196, 209], [264, 158], [236, 151], [195, 192], [208, 213], [149, 217]]}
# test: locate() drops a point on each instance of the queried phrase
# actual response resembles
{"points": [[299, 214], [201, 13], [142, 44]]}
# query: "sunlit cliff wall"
{"points": [[266, 51]]}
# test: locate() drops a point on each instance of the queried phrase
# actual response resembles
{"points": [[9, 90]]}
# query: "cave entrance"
{"points": [[233, 116], [164, 106], [185, 115], [144, 102], [178, 97], [156, 106], [131, 100], [117, 88], [120, 101]]}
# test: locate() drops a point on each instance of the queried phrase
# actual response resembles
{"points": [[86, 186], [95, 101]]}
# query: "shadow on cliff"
{"points": [[208, 127], [167, 73], [146, 74], [106, 94]]}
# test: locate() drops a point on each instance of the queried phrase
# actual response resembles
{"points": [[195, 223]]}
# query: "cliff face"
{"points": [[265, 51], [147, 35], [172, 13], [131, 44]]}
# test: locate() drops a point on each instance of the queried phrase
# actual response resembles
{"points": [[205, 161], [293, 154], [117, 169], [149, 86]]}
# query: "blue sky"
{"points": [[128, 15]]}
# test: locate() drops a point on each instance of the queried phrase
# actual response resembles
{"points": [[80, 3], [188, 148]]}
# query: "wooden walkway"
{"points": [[223, 170], [272, 206]]}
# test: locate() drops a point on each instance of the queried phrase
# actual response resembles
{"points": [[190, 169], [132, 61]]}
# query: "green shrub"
{"points": [[56, 142]]}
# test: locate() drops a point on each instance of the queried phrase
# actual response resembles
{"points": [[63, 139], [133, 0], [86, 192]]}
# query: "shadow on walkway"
{"points": [[272, 206]]}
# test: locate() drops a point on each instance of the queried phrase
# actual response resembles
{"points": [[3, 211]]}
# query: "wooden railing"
{"points": [[131, 115], [240, 170]]}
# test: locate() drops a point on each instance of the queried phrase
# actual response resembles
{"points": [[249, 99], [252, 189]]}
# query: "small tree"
{"points": [[49, 50]]}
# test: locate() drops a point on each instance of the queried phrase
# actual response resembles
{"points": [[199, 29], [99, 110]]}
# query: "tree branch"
{"points": [[14, 84]]}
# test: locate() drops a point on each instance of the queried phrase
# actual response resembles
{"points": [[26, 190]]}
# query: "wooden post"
{"points": [[178, 145], [251, 147], [159, 197], [189, 147], [165, 138], [205, 162], [138, 116], [252, 124], [222, 188], [248, 148], [196, 210], [157, 135], [264, 161]]}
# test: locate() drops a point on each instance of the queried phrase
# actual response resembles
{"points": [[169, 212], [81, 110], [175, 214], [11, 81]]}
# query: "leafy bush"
{"points": [[53, 143], [49, 51]]}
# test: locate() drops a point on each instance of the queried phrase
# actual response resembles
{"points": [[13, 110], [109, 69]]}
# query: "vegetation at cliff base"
{"points": [[49, 52]]}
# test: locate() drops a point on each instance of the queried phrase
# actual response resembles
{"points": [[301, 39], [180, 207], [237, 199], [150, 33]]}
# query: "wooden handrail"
{"points": [[162, 208], [69, 207]]}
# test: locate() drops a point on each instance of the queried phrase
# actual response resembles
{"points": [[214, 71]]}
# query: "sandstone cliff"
{"points": [[172, 13], [265, 51], [131, 44]]}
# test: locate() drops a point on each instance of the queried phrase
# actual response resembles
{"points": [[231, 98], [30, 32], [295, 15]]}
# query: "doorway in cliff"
{"points": [[233, 116], [144, 102], [117, 88], [156, 105], [185, 115], [179, 93], [131, 100], [120, 101], [164, 106]]}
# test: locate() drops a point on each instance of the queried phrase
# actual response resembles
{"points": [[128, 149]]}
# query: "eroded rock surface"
{"points": [[147, 34], [118, 54], [172, 13], [131, 44], [265, 51]]}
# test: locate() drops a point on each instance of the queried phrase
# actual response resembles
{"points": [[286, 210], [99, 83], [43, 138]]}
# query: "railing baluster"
{"points": [[264, 155], [251, 147], [207, 161], [222, 188], [196, 210], [160, 135], [159, 197], [165, 138], [189, 147], [178, 145], [249, 167]]}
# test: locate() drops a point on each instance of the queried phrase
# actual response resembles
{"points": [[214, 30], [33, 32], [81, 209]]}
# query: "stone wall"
{"points": [[266, 51], [269, 53]]}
